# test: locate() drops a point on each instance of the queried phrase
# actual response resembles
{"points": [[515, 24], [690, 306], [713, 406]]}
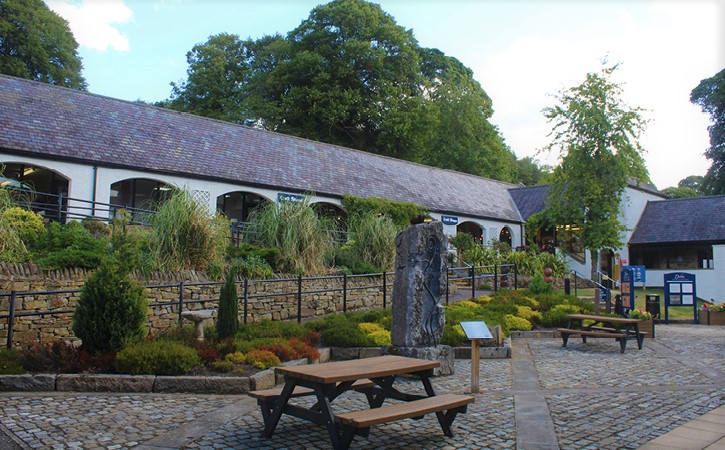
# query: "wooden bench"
{"points": [[359, 422], [267, 397], [614, 330], [620, 336]]}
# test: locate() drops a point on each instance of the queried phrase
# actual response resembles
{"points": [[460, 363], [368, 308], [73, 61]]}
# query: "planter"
{"points": [[647, 326], [708, 317]]}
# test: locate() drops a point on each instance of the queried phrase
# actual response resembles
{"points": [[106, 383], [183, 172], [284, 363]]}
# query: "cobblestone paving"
{"points": [[61, 421], [597, 399], [625, 420]]}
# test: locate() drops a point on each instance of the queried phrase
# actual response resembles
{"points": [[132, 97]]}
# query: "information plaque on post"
{"points": [[475, 331]]}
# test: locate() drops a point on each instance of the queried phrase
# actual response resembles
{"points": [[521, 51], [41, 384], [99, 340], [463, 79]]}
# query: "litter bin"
{"points": [[652, 305]]}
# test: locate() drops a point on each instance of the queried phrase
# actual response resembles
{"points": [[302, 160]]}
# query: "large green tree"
{"points": [[687, 188], [349, 75], [36, 43], [710, 95], [597, 136]]}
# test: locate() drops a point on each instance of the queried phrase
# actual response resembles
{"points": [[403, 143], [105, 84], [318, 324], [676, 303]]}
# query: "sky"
{"points": [[523, 52]]}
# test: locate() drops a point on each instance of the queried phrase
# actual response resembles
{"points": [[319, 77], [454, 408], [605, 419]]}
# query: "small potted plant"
{"points": [[712, 314], [646, 324]]}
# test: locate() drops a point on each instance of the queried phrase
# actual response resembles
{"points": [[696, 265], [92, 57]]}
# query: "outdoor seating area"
{"points": [[628, 329], [545, 396]]}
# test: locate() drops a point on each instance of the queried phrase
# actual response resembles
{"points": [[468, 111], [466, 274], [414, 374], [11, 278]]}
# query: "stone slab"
{"points": [[442, 353], [262, 380], [27, 382], [203, 385], [104, 383]]}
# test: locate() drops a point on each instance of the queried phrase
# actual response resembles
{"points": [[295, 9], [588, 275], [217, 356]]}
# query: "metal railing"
{"points": [[497, 275], [183, 301]]}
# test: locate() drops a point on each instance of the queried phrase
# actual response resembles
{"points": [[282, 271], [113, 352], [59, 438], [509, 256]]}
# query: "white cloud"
{"points": [[664, 54], [93, 22]]}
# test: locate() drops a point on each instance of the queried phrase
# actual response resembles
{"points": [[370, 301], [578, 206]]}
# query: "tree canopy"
{"points": [[596, 134], [710, 96], [689, 187], [349, 75], [36, 43]]}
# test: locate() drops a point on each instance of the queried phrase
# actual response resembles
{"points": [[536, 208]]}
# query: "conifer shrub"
{"points": [[159, 357], [70, 245], [111, 311], [227, 324]]}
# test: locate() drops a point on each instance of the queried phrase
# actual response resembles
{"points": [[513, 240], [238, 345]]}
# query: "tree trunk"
{"points": [[596, 264]]}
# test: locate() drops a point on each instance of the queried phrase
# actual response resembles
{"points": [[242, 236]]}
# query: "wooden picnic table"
{"points": [[375, 377], [602, 327]]}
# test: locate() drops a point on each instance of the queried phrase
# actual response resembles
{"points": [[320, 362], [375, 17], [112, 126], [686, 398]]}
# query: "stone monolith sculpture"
{"points": [[420, 282]]}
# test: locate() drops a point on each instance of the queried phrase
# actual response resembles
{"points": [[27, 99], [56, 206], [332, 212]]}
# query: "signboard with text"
{"points": [[680, 291], [449, 220], [627, 287], [283, 197]]}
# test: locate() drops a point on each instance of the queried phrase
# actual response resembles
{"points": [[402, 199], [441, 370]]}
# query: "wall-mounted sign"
{"points": [[283, 197], [680, 291], [449, 220]]}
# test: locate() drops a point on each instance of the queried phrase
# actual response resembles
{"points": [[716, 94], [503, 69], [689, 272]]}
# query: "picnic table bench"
{"points": [[374, 377], [607, 329]]}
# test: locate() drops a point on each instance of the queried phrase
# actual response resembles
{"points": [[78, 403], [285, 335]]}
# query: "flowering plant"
{"points": [[639, 314], [719, 307]]}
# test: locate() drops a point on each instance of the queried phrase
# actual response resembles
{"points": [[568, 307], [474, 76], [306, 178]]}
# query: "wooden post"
{"points": [[475, 356]]}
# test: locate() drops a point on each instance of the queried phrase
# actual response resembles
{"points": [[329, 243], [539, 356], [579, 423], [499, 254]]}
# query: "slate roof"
{"points": [[700, 219], [530, 200], [60, 123]]}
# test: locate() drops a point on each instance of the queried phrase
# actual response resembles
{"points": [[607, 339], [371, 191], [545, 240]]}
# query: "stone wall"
{"points": [[270, 299]]}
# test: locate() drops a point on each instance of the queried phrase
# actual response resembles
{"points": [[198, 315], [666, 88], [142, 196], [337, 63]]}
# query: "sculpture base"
{"points": [[442, 353]]}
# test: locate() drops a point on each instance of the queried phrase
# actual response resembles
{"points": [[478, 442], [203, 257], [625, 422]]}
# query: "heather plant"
{"points": [[159, 357]]}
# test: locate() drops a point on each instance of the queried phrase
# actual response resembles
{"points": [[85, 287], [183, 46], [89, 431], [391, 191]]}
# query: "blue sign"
{"points": [[627, 287], [449, 220], [603, 295], [638, 273], [283, 197], [680, 291]]}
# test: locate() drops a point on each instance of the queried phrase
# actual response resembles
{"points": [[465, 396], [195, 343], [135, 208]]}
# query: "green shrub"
{"points": [[253, 267], [26, 223], [262, 359], [10, 363], [538, 285], [517, 323], [453, 335], [111, 311], [556, 317], [271, 329], [345, 334], [159, 357], [227, 323], [70, 245], [224, 366], [377, 316], [245, 250], [97, 227], [373, 242], [401, 213]]}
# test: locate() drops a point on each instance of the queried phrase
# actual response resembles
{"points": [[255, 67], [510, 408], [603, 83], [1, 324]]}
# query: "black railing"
{"points": [[497, 275], [183, 301]]}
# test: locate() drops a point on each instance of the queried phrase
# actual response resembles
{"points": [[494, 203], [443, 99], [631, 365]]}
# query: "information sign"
{"points": [[680, 291], [283, 197], [449, 220], [476, 330], [627, 287]]}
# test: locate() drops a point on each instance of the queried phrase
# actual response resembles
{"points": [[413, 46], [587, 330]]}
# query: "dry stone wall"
{"points": [[58, 291]]}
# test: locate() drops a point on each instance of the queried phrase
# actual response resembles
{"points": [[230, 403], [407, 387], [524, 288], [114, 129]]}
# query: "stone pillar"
{"points": [[420, 283]]}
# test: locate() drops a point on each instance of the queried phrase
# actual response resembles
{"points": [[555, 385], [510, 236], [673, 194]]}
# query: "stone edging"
{"points": [[265, 379]]}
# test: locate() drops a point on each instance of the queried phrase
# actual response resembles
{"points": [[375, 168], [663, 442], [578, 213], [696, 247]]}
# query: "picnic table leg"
{"points": [[278, 409], [622, 343], [323, 401], [565, 338], [640, 337]]}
